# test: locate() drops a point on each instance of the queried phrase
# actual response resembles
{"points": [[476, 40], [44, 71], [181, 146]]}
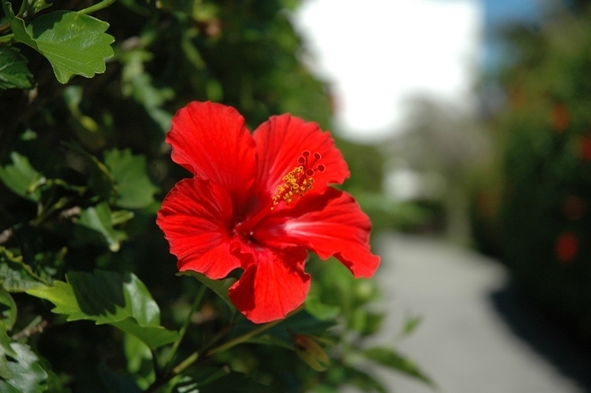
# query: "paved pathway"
{"points": [[477, 335]]}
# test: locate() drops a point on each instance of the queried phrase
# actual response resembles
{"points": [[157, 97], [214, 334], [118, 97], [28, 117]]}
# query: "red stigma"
{"points": [[299, 180]]}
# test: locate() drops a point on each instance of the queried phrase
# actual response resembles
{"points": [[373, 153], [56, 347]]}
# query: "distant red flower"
{"points": [[560, 118], [259, 202], [585, 147], [567, 246]]}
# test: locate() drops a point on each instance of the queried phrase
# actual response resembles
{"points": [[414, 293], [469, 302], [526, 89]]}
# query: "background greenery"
{"points": [[532, 206]]}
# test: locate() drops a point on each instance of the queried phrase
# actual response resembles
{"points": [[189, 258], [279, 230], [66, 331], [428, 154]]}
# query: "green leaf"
{"points": [[21, 177], [411, 324], [7, 319], [152, 336], [138, 84], [38, 5], [300, 323], [13, 69], [220, 287], [267, 339], [109, 298], [135, 190], [15, 276], [62, 296], [18, 26], [54, 382], [7, 309], [373, 323], [117, 295], [74, 44], [5, 350], [121, 216], [394, 360], [152, 98], [27, 373], [98, 218], [321, 310]]}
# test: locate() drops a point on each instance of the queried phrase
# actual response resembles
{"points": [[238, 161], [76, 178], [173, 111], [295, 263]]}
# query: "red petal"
{"points": [[195, 218], [328, 224], [211, 141], [280, 142], [272, 286]]}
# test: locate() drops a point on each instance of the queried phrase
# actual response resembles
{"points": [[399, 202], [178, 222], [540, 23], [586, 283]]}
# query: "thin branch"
{"points": [[5, 235], [183, 328], [191, 359], [33, 328]]}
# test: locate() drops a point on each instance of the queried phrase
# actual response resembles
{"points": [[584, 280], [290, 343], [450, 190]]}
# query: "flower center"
{"points": [[299, 180]]}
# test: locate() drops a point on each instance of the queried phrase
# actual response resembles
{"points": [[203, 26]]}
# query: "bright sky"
{"points": [[378, 53]]}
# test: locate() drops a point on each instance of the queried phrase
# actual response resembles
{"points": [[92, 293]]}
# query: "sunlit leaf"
{"points": [[74, 44], [27, 373], [13, 69], [392, 359], [134, 188], [109, 298], [121, 216], [21, 177]]}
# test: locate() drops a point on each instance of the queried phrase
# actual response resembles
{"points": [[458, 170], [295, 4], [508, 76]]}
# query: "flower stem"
{"points": [[183, 328], [6, 39], [243, 338], [191, 359], [252, 333], [96, 7]]}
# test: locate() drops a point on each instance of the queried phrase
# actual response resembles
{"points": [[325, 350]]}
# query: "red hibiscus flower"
{"points": [[258, 202]]}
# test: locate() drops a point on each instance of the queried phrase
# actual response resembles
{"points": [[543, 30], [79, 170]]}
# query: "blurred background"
{"points": [[480, 112]]}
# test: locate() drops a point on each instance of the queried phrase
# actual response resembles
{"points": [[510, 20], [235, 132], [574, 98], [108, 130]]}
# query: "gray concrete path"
{"points": [[465, 342]]}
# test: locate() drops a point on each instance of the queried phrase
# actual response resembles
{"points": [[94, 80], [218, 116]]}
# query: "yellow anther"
{"points": [[295, 184]]}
